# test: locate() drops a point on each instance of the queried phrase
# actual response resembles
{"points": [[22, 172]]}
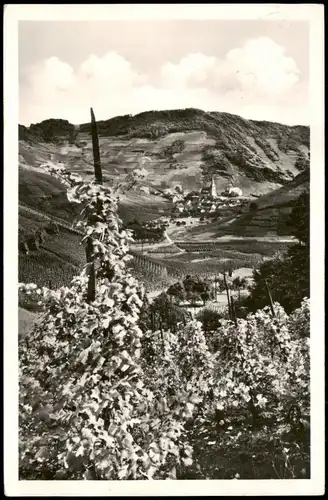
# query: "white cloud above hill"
{"points": [[256, 80]]}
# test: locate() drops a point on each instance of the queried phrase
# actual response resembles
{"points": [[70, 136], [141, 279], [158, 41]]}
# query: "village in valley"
{"points": [[208, 201]]}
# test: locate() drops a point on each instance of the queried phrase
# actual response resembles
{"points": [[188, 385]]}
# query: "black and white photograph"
{"points": [[164, 249]]}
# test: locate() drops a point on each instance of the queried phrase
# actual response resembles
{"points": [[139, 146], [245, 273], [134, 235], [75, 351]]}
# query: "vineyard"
{"points": [[202, 260], [165, 249], [129, 404], [44, 267], [28, 216], [268, 248], [68, 247], [104, 397], [54, 259], [60, 256], [29, 222], [158, 268], [156, 273]]}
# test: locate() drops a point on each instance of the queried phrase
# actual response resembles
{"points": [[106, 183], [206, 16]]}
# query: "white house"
{"points": [[235, 192]]}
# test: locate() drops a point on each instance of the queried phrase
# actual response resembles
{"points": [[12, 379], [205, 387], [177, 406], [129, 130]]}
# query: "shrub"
{"points": [[176, 147], [258, 400], [210, 320], [162, 314], [269, 357]]}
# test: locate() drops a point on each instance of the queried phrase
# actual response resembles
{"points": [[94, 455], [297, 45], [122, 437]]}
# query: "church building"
{"points": [[210, 191]]}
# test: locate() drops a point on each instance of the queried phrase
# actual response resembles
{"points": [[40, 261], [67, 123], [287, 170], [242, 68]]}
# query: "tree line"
{"points": [[147, 231]]}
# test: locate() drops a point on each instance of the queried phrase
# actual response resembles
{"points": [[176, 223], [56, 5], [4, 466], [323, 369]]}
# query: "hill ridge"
{"points": [[185, 146]]}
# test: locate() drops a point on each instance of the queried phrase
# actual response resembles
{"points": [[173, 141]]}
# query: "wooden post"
{"points": [[270, 297], [233, 311], [95, 148], [162, 338], [98, 177], [92, 283], [152, 320], [228, 296]]}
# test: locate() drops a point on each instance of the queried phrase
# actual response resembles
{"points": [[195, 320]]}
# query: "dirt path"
{"points": [[231, 239]]}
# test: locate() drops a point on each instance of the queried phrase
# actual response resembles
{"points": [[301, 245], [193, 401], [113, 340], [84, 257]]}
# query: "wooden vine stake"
{"points": [[233, 311], [98, 178], [231, 305], [228, 295], [95, 148], [270, 297]]}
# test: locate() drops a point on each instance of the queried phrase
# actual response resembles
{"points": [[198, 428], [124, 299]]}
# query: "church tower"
{"points": [[213, 189]]}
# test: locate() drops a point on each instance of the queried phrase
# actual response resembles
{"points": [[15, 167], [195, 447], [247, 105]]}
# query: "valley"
{"points": [[181, 151]]}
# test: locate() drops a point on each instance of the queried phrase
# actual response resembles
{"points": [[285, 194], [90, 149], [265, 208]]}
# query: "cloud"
{"points": [[259, 67], [193, 70], [111, 71], [58, 75], [257, 80], [262, 65]]}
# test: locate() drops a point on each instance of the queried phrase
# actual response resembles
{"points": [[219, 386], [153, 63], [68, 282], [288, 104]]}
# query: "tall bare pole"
{"points": [[95, 147], [98, 178], [270, 297], [215, 287], [233, 310], [228, 295]]}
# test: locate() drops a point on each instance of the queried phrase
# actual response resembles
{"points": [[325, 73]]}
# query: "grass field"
{"points": [[144, 208]]}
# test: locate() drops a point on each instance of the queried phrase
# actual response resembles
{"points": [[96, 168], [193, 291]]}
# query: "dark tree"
{"points": [[299, 219], [177, 291], [287, 275], [195, 288], [253, 206], [210, 319], [162, 314]]}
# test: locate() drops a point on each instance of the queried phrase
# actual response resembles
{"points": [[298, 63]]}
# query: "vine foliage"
{"points": [[87, 408]]}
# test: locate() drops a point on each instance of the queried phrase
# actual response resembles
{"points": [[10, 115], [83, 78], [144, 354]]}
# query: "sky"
{"points": [[255, 69]]}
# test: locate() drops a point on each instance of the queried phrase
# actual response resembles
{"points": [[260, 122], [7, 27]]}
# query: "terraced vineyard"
{"points": [[29, 222], [237, 245], [58, 258], [207, 267], [62, 255], [165, 249], [30, 215], [45, 268]]}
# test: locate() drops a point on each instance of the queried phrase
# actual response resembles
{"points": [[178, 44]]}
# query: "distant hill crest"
{"points": [[189, 146]]}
